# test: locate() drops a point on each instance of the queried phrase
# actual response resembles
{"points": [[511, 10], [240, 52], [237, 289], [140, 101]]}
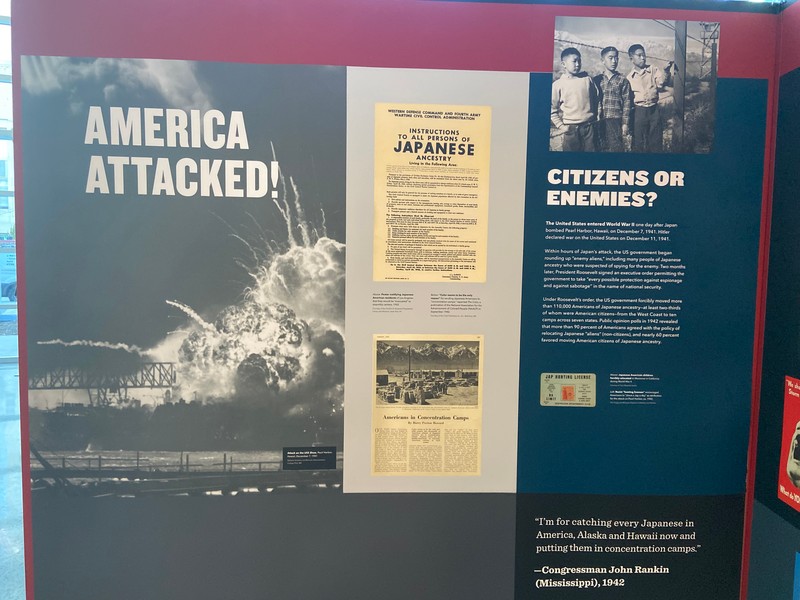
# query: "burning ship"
{"points": [[263, 373]]}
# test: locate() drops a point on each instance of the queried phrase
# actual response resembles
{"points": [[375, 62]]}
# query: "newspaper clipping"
{"points": [[427, 405], [431, 192]]}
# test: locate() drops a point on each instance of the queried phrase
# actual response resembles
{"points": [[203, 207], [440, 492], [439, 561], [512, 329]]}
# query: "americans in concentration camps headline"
{"points": [[210, 129], [635, 198]]}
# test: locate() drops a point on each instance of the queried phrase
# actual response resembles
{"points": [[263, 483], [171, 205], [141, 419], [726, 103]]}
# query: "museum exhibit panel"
{"points": [[408, 299]]}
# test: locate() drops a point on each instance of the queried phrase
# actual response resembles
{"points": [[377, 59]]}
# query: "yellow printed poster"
{"points": [[426, 417], [431, 192]]}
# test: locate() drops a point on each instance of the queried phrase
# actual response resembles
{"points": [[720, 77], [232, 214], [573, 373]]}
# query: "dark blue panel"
{"points": [[782, 326], [694, 439], [696, 547], [773, 548]]}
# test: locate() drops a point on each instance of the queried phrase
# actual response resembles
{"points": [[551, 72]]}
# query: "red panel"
{"points": [[790, 38], [389, 33]]}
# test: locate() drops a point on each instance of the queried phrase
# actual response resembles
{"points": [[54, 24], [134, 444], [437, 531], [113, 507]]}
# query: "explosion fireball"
{"points": [[282, 343]]}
